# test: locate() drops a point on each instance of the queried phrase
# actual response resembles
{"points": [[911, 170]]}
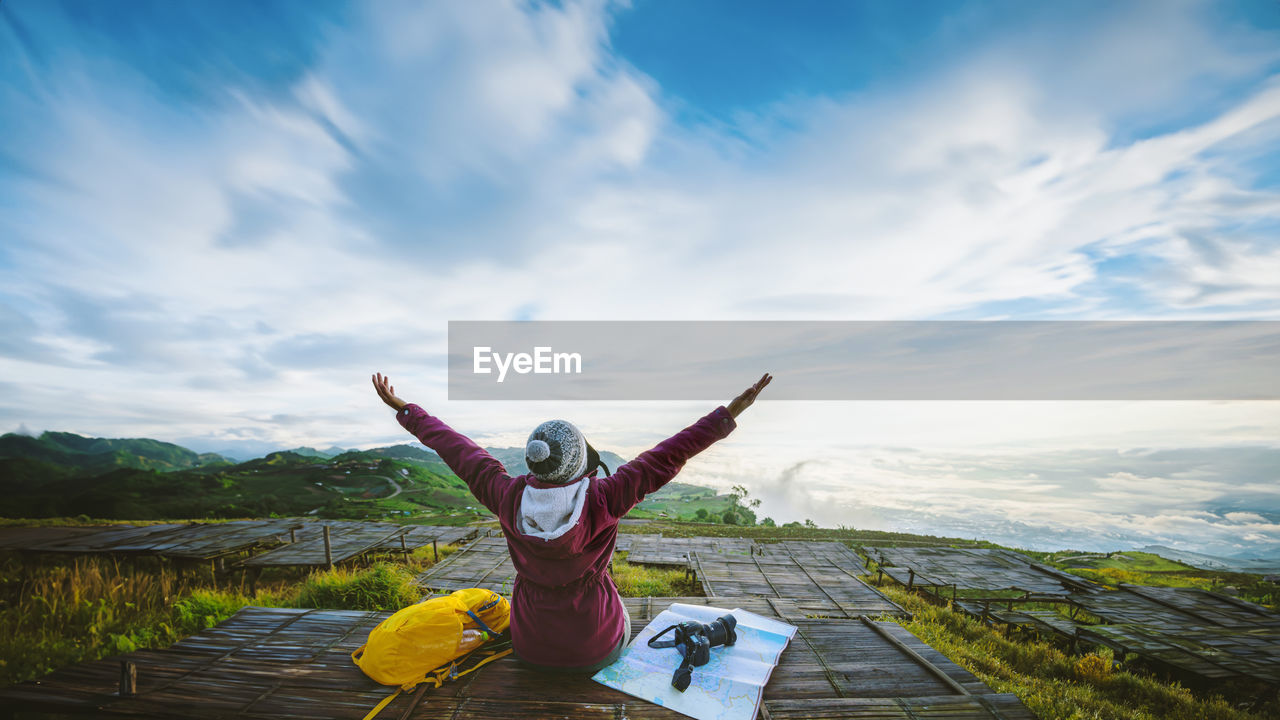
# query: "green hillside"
{"points": [[65, 475], [99, 455]]}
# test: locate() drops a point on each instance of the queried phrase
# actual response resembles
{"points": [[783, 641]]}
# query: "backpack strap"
{"points": [[450, 671], [378, 708], [480, 622]]}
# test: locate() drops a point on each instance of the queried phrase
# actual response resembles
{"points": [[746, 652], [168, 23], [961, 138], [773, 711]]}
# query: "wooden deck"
{"points": [[273, 663], [818, 586], [659, 550], [1047, 623], [1189, 633], [1205, 652], [18, 537], [288, 541], [484, 563], [1174, 610], [422, 535], [347, 540], [206, 541], [973, 569], [812, 550], [106, 539]]}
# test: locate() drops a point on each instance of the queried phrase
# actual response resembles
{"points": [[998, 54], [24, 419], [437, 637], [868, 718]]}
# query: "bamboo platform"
{"points": [[659, 550], [973, 569], [303, 540], [211, 540], [1211, 607], [272, 663], [818, 586], [1205, 652], [484, 563], [836, 552], [422, 535], [17, 537], [1047, 623], [347, 540], [106, 539], [1174, 610]]}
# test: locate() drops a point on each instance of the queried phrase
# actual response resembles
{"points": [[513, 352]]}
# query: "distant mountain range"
{"points": [[1213, 562], [99, 455], [63, 474]]}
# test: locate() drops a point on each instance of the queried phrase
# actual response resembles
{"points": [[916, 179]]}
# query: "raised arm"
{"points": [[654, 468], [483, 474]]}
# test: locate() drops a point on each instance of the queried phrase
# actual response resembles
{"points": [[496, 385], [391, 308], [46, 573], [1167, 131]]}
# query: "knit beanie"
{"points": [[556, 452]]}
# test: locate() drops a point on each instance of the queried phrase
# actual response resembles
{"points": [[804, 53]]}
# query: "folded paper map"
{"points": [[728, 687]]}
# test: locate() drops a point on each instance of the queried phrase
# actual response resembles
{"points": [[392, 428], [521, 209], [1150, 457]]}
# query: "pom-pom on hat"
{"points": [[556, 452]]}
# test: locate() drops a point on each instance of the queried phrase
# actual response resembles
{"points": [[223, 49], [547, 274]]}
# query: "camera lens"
{"points": [[721, 630]]}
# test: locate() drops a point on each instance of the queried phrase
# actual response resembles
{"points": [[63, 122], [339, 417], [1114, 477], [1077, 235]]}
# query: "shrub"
{"points": [[1093, 669], [381, 587]]}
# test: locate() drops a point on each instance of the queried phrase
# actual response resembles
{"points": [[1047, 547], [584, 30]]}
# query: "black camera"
{"points": [[694, 641]]}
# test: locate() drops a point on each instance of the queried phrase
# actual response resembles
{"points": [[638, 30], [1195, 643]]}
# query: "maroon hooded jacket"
{"points": [[565, 609]]}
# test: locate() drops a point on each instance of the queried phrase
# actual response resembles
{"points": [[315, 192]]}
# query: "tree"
{"points": [[768, 522], [730, 517], [701, 514], [743, 503], [809, 523]]}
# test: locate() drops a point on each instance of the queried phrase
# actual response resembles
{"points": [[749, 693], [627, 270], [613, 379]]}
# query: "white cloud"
{"points": [[452, 161]]}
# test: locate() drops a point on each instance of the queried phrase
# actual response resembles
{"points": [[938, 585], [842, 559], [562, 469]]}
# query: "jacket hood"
{"points": [[550, 511]]}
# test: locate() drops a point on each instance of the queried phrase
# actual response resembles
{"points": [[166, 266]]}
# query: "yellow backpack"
{"points": [[429, 642]]}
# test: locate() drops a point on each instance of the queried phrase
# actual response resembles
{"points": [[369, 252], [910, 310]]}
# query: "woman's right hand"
{"points": [[748, 396], [386, 392]]}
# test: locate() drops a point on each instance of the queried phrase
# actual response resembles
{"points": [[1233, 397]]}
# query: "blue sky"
{"points": [[216, 219]]}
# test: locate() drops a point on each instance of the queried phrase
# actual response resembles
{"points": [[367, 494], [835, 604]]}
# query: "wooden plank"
{"points": [[18, 537], [817, 585], [280, 662], [106, 539], [659, 550], [832, 551], [997, 706], [349, 540], [203, 541], [989, 569], [484, 563], [417, 536]]}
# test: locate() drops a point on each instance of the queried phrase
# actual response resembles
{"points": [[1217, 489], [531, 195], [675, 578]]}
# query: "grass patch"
{"points": [[381, 587], [58, 612], [651, 581], [1054, 684], [1115, 576]]}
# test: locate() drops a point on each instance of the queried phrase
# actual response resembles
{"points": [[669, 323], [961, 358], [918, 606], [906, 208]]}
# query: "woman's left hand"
{"points": [[748, 396], [387, 392]]}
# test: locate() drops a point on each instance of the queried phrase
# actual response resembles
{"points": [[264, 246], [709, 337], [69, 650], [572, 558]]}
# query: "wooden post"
{"points": [[435, 550], [293, 537], [911, 578], [404, 546], [328, 549], [128, 678]]}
